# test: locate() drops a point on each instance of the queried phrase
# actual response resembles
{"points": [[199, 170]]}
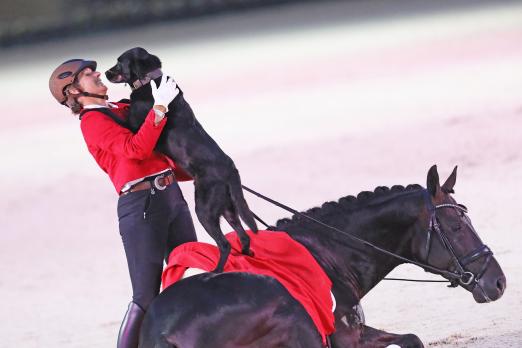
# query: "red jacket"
{"points": [[125, 156]]}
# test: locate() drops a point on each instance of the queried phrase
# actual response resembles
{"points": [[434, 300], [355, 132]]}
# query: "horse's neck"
{"points": [[353, 267]]}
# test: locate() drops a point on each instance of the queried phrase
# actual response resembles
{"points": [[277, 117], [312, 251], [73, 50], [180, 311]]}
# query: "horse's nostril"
{"points": [[501, 284]]}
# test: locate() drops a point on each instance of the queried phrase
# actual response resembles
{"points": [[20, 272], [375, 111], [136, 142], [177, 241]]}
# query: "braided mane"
{"points": [[350, 203]]}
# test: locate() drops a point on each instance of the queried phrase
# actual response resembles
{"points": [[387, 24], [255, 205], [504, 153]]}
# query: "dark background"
{"points": [[26, 21]]}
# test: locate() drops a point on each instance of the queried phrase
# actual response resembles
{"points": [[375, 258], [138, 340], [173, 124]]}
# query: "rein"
{"points": [[462, 276]]}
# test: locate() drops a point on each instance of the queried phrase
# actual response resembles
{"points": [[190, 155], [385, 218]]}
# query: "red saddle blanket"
{"points": [[276, 255]]}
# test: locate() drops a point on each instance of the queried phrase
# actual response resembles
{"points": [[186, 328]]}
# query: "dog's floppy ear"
{"points": [[148, 61], [125, 69], [130, 63], [153, 63], [140, 53], [136, 62], [143, 62]]}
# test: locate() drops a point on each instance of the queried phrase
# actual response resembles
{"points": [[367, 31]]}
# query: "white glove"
{"points": [[165, 93]]}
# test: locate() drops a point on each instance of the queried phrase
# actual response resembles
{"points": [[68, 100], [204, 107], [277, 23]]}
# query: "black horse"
{"points": [[425, 226], [216, 180]]}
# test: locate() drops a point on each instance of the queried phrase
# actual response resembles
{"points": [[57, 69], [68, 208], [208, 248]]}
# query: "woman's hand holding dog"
{"points": [[164, 94]]}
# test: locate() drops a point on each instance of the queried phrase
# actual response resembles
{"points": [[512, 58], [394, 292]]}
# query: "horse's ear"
{"points": [[450, 182], [432, 182]]}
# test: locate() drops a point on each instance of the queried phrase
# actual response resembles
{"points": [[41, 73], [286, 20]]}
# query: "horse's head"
{"points": [[450, 243]]}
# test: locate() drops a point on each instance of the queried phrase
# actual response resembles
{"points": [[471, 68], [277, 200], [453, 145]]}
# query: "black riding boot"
{"points": [[130, 327]]}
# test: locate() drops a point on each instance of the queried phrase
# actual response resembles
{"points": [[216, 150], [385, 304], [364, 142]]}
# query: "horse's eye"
{"points": [[457, 227]]}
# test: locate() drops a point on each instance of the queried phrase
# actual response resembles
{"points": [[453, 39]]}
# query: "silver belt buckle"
{"points": [[157, 184]]}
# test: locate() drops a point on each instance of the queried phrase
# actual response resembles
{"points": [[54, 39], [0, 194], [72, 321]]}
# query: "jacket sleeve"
{"points": [[101, 132]]}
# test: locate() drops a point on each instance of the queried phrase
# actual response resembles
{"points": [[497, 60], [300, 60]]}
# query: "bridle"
{"points": [[461, 276], [465, 276]]}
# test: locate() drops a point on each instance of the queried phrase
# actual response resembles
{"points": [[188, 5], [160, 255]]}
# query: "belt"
{"points": [[159, 182]]}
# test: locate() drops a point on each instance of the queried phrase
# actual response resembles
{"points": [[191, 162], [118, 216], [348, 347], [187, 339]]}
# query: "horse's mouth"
{"points": [[484, 292], [480, 296]]}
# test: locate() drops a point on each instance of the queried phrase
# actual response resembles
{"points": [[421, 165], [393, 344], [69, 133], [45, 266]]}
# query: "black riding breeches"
{"points": [[152, 223]]}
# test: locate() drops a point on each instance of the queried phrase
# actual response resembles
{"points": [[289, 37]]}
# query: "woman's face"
{"points": [[90, 81]]}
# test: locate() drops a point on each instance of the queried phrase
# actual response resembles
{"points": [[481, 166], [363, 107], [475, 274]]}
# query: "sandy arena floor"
{"points": [[313, 103]]}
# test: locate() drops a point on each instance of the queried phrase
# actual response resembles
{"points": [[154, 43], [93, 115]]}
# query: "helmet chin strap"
{"points": [[87, 94], [84, 94]]}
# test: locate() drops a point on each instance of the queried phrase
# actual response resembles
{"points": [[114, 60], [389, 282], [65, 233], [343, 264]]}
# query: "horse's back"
{"points": [[227, 310]]}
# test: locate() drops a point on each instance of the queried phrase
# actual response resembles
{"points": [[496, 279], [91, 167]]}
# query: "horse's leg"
{"points": [[286, 326], [345, 335], [290, 332], [160, 342], [349, 323], [373, 338]]}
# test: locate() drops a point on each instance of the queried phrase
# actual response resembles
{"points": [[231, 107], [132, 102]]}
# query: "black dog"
{"points": [[216, 179]]}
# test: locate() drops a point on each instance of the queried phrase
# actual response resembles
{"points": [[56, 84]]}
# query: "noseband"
{"points": [[465, 277]]}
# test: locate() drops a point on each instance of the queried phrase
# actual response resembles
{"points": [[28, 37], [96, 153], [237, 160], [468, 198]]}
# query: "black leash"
{"points": [[418, 280], [362, 241], [261, 221]]}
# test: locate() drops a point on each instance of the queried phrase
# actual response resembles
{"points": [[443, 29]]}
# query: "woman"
{"points": [[153, 215]]}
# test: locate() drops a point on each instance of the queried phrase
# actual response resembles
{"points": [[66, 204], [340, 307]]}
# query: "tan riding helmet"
{"points": [[65, 74]]}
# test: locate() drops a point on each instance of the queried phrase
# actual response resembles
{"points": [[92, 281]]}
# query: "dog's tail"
{"points": [[240, 204]]}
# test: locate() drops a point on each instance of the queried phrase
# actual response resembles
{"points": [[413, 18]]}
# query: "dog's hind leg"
{"points": [[208, 210], [222, 243], [233, 220], [224, 251], [211, 225], [240, 204]]}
